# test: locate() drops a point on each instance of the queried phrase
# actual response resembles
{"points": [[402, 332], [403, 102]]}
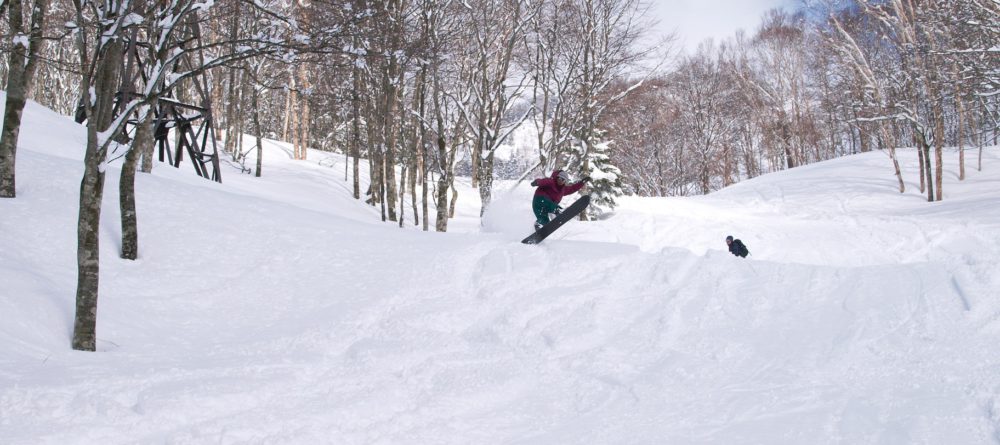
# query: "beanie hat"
{"points": [[729, 238], [563, 175]]}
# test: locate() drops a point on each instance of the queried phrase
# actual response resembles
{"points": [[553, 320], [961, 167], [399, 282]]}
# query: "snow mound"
{"points": [[282, 310]]}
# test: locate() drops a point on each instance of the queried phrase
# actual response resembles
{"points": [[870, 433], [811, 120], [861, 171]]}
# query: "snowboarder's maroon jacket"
{"points": [[549, 187]]}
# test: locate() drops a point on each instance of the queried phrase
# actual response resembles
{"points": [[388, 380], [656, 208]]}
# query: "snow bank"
{"points": [[281, 310]]}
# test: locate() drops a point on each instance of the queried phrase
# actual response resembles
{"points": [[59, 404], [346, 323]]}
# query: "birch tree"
{"points": [[100, 47], [578, 49], [99, 31], [496, 28], [612, 32], [913, 28], [876, 98], [702, 92], [22, 65]]}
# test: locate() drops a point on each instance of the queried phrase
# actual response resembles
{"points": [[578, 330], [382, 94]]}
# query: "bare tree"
{"points": [[100, 60], [702, 91], [577, 51], [449, 127], [22, 65], [874, 86], [915, 30], [496, 27], [99, 32]]}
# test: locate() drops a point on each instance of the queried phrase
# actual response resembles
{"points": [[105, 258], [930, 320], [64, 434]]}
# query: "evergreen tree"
{"points": [[595, 161]]}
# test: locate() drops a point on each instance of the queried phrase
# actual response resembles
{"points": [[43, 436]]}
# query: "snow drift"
{"points": [[281, 310]]}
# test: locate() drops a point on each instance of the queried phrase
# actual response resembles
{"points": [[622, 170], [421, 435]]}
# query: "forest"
{"points": [[421, 85], [424, 90]]}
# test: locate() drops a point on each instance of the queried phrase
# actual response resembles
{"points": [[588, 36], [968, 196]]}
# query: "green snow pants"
{"points": [[542, 206]]}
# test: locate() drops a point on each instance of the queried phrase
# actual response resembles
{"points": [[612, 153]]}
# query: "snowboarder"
{"points": [[736, 247], [550, 191]]}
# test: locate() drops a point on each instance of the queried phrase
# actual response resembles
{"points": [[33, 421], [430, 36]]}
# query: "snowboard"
{"points": [[572, 211]]}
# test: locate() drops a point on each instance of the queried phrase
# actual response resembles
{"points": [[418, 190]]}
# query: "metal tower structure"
{"points": [[189, 125]]}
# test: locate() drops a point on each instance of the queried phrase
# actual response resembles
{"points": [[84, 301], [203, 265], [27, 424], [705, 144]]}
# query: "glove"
{"points": [[534, 183], [587, 179]]}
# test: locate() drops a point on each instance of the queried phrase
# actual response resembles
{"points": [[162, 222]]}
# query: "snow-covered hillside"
{"points": [[281, 310]]}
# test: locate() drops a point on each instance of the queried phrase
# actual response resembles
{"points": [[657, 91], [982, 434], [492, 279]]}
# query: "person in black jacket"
{"points": [[736, 247]]}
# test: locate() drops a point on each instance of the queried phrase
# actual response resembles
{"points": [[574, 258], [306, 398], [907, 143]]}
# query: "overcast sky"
{"points": [[697, 20]]}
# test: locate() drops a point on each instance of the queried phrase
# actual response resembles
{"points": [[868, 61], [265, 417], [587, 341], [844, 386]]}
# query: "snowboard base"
{"points": [[572, 211]]}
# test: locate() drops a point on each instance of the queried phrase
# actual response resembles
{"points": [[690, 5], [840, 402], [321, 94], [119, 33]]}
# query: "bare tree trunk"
{"points": [[11, 126], [126, 201], [927, 171], [890, 142], [413, 195], [421, 144], [91, 193], [389, 138], [863, 140], [231, 130], [786, 142], [232, 101], [294, 124], [257, 133], [289, 104], [305, 129], [374, 155], [414, 167], [960, 108], [445, 178], [898, 172], [961, 139], [454, 199], [402, 195], [381, 188], [240, 134], [356, 127], [22, 65], [36, 44], [730, 164], [146, 152], [302, 123], [218, 101], [126, 186], [425, 208], [88, 248], [920, 163], [939, 151], [485, 181], [232, 113], [441, 223], [979, 138]]}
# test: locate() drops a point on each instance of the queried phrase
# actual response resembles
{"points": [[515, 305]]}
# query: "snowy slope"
{"points": [[280, 310]]}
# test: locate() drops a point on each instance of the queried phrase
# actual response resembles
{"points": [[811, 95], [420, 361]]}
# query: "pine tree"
{"points": [[606, 184]]}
